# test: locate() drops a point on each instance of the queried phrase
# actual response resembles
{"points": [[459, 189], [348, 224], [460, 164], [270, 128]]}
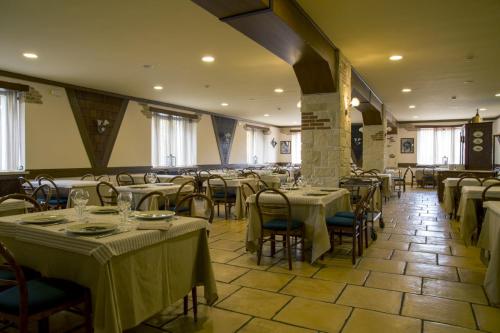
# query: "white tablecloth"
{"points": [[13, 207], [311, 210], [138, 191], [66, 185], [489, 239], [450, 185], [139, 178]]}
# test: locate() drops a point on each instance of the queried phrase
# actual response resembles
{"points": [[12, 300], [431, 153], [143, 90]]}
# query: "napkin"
{"points": [[161, 225]]}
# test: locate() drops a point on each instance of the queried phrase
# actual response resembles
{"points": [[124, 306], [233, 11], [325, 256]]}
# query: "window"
{"points": [[438, 145], [296, 148], [11, 131], [255, 146], [173, 141]]}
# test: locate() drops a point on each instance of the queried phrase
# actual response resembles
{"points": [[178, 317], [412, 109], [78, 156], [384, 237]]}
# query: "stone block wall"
{"points": [[374, 147]]}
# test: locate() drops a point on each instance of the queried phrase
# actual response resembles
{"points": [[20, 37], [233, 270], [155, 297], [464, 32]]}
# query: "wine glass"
{"points": [[124, 202], [151, 177], [80, 197]]}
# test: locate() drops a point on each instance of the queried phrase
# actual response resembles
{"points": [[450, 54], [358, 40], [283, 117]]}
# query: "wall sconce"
{"points": [[102, 125], [273, 143], [355, 102]]}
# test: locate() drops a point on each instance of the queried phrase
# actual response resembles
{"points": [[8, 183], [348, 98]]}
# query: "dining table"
{"points": [[450, 185], [66, 185], [14, 207], [139, 190], [132, 274], [139, 178], [308, 204], [489, 240]]}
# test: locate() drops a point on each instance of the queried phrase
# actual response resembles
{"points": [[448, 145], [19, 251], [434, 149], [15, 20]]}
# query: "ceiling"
{"points": [[434, 37], [104, 45]]}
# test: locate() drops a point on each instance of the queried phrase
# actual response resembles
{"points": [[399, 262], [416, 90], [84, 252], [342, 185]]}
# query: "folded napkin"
{"points": [[161, 225]]}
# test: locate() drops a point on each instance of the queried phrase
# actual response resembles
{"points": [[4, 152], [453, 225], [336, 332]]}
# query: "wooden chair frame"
{"points": [[88, 175], [458, 191], [217, 201], [26, 186], [18, 196], [128, 181], [106, 198], [149, 195], [50, 182]]}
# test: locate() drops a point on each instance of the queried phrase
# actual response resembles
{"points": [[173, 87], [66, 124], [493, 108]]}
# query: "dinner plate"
{"points": [[93, 228], [104, 210], [164, 184], [154, 215], [329, 189], [138, 186], [42, 219], [316, 194]]}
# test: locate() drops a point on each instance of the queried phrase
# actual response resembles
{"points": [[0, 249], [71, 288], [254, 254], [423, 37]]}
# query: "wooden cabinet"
{"points": [[478, 146]]}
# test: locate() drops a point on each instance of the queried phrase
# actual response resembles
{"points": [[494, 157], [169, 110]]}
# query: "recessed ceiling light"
{"points": [[208, 58], [30, 55], [278, 90], [224, 104], [497, 95], [406, 90], [395, 57], [412, 106], [483, 109], [415, 117], [355, 102], [147, 66], [266, 115], [299, 104], [468, 81], [158, 88]]}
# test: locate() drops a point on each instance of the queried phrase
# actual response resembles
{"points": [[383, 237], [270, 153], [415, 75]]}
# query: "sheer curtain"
{"points": [[255, 146], [173, 141], [434, 145], [12, 143], [296, 148]]}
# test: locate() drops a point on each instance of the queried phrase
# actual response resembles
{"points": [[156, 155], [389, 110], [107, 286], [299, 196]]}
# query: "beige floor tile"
{"points": [[465, 251], [223, 256], [438, 309], [315, 315], [322, 290], [444, 241], [227, 273], [396, 282], [249, 260], [343, 275], [301, 268], [475, 276], [463, 262], [433, 327], [255, 302], [407, 239], [142, 328], [442, 249], [488, 318], [229, 245], [405, 231], [210, 319], [258, 325], [382, 244], [381, 265], [263, 280], [437, 227], [223, 290], [373, 252], [234, 236], [432, 271], [454, 290], [371, 299], [365, 321], [411, 256]]}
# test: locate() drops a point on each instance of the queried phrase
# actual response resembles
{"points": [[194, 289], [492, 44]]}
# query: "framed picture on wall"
{"points": [[285, 147], [407, 145]]}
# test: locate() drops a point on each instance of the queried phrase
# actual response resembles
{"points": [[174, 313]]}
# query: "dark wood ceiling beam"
{"points": [[13, 86]]}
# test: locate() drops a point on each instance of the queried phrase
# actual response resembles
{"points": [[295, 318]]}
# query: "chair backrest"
{"points": [[124, 179], [251, 174], [204, 174], [469, 180], [280, 208], [10, 264], [107, 194], [486, 197], [490, 180], [54, 190], [183, 191], [155, 194], [103, 178], [428, 171], [88, 176], [44, 175], [18, 196], [374, 171], [246, 190], [42, 195], [262, 184], [213, 188], [408, 169], [208, 206], [26, 186], [466, 174], [145, 178]]}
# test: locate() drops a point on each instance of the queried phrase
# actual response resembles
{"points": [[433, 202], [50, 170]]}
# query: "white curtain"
{"points": [[435, 145], [173, 141], [12, 144], [296, 148], [255, 146]]}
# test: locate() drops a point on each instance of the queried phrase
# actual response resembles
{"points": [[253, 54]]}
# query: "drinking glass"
{"points": [[124, 202], [80, 197], [151, 177]]}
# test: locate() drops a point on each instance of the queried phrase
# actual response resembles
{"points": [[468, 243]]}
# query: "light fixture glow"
{"points": [[355, 101], [299, 104], [266, 115], [415, 117], [395, 57], [483, 109], [406, 90], [278, 90], [224, 104], [497, 95], [412, 106], [30, 55], [158, 88], [208, 58]]}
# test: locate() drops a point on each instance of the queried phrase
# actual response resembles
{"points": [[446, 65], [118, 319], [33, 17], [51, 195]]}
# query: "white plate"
{"points": [[154, 215], [104, 210], [94, 228], [42, 219]]}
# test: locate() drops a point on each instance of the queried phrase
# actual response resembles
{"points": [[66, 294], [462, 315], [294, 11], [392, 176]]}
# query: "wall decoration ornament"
{"points": [[33, 96], [407, 145], [273, 143], [285, 147], [224, 129], [102, 125]]}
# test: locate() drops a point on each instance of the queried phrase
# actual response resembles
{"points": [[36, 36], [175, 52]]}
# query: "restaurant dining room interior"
{"points": [[250, 166]]}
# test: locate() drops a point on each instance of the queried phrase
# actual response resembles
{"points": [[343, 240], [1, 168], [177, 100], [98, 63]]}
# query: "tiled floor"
{"points": [[417, 277]]}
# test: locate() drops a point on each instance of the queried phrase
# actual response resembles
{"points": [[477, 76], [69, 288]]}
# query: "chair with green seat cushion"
{"points": [[275, 216], [345, 214], [56, 200], [155, 198], [6, 274], [37, 299], [187, 188], [221, 193]]}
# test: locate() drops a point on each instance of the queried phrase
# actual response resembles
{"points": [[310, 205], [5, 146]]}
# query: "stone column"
{"points": [[326, 132], [375, 153]]}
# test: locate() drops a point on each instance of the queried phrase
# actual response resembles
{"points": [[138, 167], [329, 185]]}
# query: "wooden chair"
{"points": [[38, 299], [261, 185], [56, 201], [107, 194], [103, 178], [251, 174], [276, 220], [146, 181], [43, 175], [26, 186], [157, 195], [18, 196], [399, 182], [182, 192], [458, 190], [484, 198], [177, 179], [88, 176], [42, 195], [246, 190], [221, 194], [490, 180], [408, 170], [203, 175], [124, 179], [429, 177]]}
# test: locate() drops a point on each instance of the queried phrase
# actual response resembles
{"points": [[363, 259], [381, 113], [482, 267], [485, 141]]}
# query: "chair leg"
{"points": [[259, 251], [289, 252], [273, 245], [354, 248], [186, 300], [195, 303], [360, 242], [87, 312], [43, 325]]}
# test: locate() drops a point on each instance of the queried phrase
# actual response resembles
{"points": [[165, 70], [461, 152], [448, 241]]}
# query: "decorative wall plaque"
{"points": [[224, 129]]}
